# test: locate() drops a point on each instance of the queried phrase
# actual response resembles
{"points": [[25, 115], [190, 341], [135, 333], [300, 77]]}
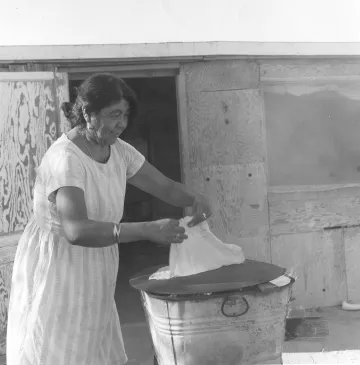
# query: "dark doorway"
{"points": [[156, 136]]}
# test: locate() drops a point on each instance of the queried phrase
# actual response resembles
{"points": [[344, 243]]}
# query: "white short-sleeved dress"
{"points": [[62, 309]]}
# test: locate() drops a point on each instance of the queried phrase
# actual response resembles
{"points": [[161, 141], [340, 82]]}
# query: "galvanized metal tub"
{"points": [[245, 326]]}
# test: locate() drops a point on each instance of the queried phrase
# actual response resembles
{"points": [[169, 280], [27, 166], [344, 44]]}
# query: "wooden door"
{"points": [[312, 110], [29, 123]]}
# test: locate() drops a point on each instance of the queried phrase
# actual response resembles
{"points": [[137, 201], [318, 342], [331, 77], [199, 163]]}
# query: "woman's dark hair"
{"points": [[98, 92]]}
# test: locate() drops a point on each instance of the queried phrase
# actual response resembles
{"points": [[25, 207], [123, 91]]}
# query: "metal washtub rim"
{"points": [[205, 296]]}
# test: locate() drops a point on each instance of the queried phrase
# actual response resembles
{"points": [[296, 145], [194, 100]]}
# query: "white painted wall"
{"points": [[43, 22]]}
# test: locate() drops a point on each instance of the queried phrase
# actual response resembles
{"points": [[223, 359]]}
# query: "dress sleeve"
{"points": [[134, 160], [60, 169]]}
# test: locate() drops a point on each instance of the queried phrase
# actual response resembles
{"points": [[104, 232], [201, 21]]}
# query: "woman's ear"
{"points": [[86, 114]]}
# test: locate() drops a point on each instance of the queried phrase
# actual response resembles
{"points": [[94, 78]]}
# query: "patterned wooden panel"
{"points": [[28, 126], [7, 253], [8, 245], [5, 285]]}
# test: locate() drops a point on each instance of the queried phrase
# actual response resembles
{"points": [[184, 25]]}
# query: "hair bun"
{"points": [[67, 108]]}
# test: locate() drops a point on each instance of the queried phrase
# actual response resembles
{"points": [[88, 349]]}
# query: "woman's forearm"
{"points": [[89, 233], [132, 232]]}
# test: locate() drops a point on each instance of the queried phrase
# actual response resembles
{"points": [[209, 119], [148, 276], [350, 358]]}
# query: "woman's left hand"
{"points": [[202, 210]]}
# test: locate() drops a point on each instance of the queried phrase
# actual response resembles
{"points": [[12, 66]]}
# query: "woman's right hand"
{"points": [[165, 231]]}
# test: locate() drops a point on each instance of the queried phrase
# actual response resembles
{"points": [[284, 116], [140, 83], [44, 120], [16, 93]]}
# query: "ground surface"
{"points": [[341, 346]]}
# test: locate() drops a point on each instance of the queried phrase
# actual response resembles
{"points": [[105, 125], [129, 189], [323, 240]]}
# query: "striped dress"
{"points": [[62, 309]]}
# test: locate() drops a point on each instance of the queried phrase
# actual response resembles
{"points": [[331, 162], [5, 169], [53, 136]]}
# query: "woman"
{"points": [[62, 309]]}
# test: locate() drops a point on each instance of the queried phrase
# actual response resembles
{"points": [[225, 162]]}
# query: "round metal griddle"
{"points": [[227, 278]]}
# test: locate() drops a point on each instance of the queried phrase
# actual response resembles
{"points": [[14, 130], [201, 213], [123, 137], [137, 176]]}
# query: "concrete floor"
{"points": [[342, 346]]}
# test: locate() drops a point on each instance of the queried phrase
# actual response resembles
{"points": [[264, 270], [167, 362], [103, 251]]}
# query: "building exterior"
{"points": [[270, 131]]}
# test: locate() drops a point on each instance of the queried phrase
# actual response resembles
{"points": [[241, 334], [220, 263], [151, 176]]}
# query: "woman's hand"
{"points": [[165, 231], [202, 210]]}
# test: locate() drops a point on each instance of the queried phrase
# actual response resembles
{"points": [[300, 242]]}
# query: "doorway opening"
{"points": [[156, 136]]}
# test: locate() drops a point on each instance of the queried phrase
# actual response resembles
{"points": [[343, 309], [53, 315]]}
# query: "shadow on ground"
{"points": [[341, 346]]}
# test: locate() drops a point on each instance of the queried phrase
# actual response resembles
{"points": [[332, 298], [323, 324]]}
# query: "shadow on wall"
{"points": [[312, 137]]}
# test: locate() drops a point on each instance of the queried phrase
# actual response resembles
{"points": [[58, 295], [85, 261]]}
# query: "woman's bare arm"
{"points": [[152, 181], [81, 231]]}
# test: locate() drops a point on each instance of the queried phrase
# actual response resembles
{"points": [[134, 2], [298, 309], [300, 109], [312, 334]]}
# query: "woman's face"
{"points": [[111, 122]]}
